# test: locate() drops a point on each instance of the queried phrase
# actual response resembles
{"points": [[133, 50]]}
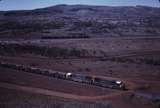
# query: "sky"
{"points": [[33, 4]]}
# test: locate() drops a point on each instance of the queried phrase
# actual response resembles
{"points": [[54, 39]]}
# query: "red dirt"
{"points": [[32, 80], [137, 76]]}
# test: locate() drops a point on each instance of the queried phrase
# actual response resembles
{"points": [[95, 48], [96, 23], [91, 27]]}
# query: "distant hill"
{"points": [[80, 21]]}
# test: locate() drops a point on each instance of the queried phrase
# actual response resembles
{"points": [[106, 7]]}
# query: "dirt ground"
{"points": [[137, 65]]}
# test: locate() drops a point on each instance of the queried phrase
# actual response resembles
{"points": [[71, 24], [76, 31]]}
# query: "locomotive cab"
{"points": [[68, 76], [120, 85]]}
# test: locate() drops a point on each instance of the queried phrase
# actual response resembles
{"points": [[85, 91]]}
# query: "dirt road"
{"points": [[54, 93]]}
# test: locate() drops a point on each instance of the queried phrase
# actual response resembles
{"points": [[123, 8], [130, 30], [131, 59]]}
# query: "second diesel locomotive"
{"points": [[97, 81]]}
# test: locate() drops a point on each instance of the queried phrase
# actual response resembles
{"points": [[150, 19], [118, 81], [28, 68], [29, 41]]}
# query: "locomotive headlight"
{"points": [[68, 74], [118, 82]]}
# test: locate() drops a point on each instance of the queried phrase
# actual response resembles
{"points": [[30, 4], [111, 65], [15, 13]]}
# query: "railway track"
{"points": [[57, 94], [96, 81]]}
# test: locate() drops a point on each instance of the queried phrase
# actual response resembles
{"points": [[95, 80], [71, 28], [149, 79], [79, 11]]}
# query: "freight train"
{"points": [[97, 81], [114, 84]]}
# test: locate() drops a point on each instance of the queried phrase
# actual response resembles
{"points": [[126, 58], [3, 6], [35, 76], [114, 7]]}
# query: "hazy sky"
{"points": [[32, 4]]}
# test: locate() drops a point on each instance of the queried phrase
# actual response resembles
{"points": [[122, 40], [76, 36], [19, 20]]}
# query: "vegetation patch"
{"points": [[56, 52]]}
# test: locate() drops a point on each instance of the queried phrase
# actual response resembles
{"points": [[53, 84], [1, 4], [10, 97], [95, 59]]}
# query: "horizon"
{"points": [[6, 5]]}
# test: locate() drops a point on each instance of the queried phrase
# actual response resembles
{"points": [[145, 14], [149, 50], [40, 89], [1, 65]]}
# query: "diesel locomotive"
{"points": [[97, 81]]}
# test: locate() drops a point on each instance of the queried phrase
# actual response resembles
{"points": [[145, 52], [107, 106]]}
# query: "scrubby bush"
{"points": [[55, 52]]}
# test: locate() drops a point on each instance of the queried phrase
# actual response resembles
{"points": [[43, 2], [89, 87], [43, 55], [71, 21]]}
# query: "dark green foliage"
{"points": [[71, 36], [139, 61], [55, 52], [151, 61], [30, 26], [83, 24]]}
